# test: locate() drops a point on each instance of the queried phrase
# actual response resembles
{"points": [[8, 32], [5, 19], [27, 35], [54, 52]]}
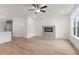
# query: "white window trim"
{"points": [[75, 37], [73, 15]]}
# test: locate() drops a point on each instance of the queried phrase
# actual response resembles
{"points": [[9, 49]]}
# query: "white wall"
{"points": [[61, 23], [39, 26], [62, 27], [26, 27], [34, 26], [19, 27], [2, 26], [30, 27]]}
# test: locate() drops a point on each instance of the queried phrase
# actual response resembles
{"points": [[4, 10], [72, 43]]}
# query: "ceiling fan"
{"points": [[38, 8]]}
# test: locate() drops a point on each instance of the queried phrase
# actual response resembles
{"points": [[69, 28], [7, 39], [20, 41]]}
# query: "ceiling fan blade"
{"points": [[43, 7], [42, 11], [31, 9], [38, 6], [34, 5]]}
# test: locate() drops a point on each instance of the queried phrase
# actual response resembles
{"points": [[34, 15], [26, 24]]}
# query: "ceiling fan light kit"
{"points": [[37, 8]]}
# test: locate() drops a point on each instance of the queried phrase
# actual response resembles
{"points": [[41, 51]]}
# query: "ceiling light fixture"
{"points": [[37, 10]]}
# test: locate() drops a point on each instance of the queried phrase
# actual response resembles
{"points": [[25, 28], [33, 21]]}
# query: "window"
{"points": [[76, 26], [8, 26]]}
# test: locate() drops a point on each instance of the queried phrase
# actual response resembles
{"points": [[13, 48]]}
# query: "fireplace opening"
{"points": [[48, 29]]}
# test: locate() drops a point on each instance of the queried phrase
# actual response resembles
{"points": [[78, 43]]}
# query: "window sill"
{"points": [[76, 37]]}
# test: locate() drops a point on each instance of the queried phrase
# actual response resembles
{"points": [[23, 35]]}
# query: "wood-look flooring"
{"points": [[37, 46]]}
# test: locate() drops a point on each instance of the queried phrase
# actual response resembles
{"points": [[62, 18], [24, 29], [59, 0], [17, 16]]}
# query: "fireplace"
{"points": [[49, 32], [48, 28]]}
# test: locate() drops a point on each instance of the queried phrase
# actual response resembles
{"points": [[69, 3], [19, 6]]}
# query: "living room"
{"points": [[30, 28]]}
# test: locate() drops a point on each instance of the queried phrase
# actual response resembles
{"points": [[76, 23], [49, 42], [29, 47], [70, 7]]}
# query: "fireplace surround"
{"points": [[49, 32]]}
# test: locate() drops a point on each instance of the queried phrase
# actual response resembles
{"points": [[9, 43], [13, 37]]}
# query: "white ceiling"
{"points": [[58, 9], [18, 10]]}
